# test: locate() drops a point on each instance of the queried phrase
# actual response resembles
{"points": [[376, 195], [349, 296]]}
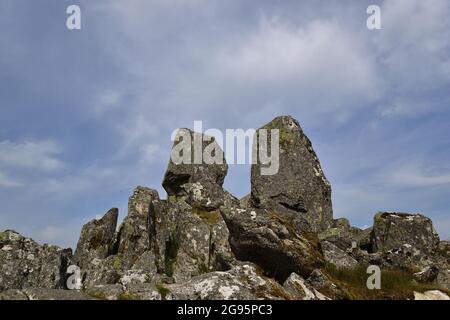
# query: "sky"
{"points": [[86, 115]]}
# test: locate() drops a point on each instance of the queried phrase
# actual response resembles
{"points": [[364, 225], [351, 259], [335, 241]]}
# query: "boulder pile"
{"points": [[279, 242]]}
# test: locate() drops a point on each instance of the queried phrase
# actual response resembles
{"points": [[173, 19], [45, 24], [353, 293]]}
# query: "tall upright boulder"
{"points": [[299, 190]]}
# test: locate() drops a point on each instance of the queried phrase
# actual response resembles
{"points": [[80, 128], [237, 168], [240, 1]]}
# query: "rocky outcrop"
{"points": [[299, 190], [25, 264], [279, 242]]}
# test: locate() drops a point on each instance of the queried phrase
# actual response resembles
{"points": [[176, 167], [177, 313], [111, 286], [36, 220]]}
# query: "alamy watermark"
{"points": [[73, 21], [374, 280], [74, 280], [207, 147]]}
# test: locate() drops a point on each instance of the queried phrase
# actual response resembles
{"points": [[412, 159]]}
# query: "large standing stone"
{"points": [[392, 231], [25, 264], [299, 190], [197, 169]]}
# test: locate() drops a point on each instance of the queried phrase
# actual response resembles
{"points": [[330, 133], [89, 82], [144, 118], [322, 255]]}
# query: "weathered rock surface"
{"points": [[279, 242], [431, 295], [97, 239], [393, 230], [337, 256], [195, 167], [299, 190], [189, 240], [25, 264], [299, 289], [43, 294], [242, 282], [134, 233], [428, 274], [262, 237]]}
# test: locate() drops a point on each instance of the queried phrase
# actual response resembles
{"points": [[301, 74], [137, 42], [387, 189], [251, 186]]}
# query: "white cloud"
{"points": [[40, 155], [150, 153], [417, 175], [52, 233], [7, 182], [303, 62], [416, 40]]}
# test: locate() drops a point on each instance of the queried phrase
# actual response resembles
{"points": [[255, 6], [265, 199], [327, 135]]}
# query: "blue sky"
{"points": [[85, 116]]}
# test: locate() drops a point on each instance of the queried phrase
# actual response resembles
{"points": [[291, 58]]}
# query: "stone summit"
{"points": [[279, 242]]}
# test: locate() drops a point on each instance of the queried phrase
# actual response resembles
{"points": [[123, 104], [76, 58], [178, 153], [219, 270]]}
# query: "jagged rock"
{"points": [[428, 274], [134, 233], [299, 289], [194, 168], [106, 257], [299, 190], [262, 237], [97, 239], [189, 240], [337, 256], [391, 231], [25, 264], [242, 282], [431, 295]]}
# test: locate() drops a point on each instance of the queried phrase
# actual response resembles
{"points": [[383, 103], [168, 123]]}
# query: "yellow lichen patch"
{"points": [[210, 217]]}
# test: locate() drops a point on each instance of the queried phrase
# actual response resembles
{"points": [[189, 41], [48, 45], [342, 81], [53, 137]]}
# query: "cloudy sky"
{"points": [[85, 116]]}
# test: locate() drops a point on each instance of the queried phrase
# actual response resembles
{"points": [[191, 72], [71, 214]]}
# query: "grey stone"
{"points": [[25, 264], [97, 239], [300, 190], [428, 274], [337, 256], [391, 231], [134, 232], [179, 174], [299, 289], [262, 237], [242, 282], [189, 240]]}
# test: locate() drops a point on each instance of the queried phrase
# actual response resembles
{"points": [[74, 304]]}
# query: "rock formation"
{"points": [[279, 242]]}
